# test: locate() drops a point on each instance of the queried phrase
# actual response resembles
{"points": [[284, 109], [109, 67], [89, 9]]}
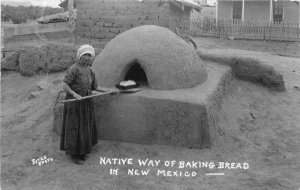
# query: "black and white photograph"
{"points": [[150, 95]]}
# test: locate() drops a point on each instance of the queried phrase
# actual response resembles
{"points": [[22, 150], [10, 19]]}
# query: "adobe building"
{"points": [[100, 21]]}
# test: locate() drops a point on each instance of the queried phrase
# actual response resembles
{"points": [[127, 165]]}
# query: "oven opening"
{"points": [[137, 74]]}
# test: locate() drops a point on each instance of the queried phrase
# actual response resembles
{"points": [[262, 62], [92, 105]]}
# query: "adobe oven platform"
{"points": [[182, 117]]}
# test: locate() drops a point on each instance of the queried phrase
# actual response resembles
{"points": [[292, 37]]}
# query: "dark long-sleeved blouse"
{"points": [[81, 79]]}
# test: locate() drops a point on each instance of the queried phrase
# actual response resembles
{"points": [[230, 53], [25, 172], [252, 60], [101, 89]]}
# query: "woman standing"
{"points": [[79, 130]]}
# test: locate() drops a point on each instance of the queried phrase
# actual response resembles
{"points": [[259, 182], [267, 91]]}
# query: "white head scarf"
{"points": [[85, 49]]}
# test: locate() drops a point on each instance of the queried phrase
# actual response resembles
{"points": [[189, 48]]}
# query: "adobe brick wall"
{"points": [[100, 21]]}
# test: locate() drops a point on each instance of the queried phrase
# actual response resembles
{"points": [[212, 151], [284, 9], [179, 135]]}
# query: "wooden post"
{"points": [[71, 21], [217, 3], [298, 30], [271, 11], [243, 11], [264, 32]]}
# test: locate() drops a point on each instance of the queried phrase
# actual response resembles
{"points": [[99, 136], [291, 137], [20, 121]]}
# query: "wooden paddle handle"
{"points": [[110, 92], [91, 96]]}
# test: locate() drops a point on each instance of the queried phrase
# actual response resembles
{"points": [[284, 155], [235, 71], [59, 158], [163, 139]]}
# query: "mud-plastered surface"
{"points": [[257, 126]]}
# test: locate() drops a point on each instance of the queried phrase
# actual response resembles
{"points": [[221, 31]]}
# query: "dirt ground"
{"points": [[258, 126], [273, 47]]}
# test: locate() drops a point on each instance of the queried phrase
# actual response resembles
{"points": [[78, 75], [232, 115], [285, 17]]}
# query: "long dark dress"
{"points": [[79, 130]]}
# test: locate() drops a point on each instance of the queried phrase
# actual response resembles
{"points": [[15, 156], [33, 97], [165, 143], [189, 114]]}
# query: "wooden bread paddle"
{"points": [[104, 93]]}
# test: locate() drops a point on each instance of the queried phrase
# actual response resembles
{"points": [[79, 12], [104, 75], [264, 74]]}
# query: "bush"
{"points": [[21, 14]]}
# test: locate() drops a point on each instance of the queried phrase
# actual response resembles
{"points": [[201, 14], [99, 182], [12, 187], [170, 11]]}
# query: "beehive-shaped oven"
{"points": [[175, 104], [164, 59]]}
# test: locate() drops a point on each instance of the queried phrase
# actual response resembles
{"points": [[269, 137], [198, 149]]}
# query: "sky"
{"points": [[51, 3], [211, 2], [54, 3]]}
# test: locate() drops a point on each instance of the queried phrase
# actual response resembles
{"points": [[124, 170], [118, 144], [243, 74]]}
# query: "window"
{"points": [[237, 10], [277, 11]]}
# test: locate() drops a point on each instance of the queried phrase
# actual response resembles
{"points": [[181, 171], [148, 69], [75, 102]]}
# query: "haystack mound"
{"points": [[167, 61]]}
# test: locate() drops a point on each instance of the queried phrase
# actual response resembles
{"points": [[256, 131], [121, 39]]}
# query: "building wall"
{"points": [[208, 11], [179, 18], [257, 11], [260, 11], [291, 12], [100, 21], [225, 10]]}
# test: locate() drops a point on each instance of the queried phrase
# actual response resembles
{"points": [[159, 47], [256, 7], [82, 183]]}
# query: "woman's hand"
{"points": [[67, 88], [77, 96]]}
